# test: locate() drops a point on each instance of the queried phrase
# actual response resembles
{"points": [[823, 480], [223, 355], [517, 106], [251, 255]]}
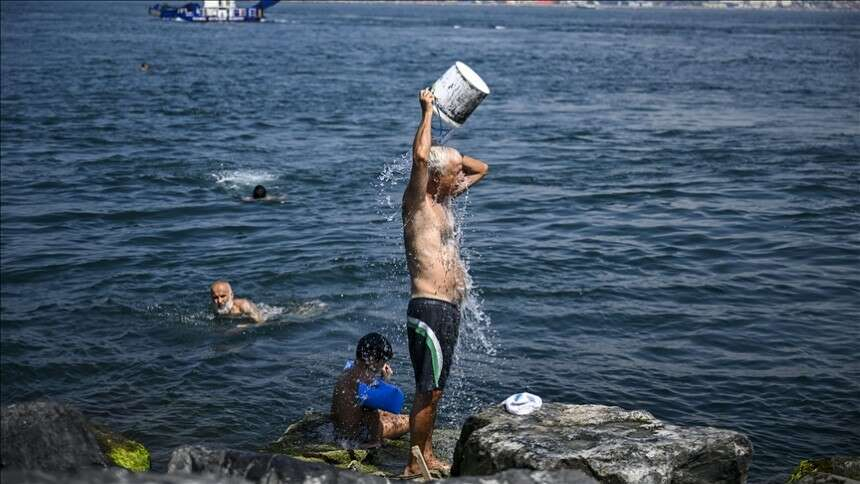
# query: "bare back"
{"points": [[360, 424], [348, 417]]}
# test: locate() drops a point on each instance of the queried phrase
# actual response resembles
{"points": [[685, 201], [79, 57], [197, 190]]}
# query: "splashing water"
{"points": [[306, 310], [475, 355], [478, 330], [240, 179], [393, 173], [269, 312]]}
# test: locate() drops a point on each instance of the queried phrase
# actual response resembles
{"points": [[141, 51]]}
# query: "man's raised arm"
{"points": [[419, 177], [473, 171]]}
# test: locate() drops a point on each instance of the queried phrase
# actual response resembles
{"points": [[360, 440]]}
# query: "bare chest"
{"points": [[433, 221]]}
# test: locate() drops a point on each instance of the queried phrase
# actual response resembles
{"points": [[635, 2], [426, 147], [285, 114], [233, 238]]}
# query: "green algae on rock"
{"points": [[48, 436], [809, 469], [311, 439], [122, 451]]}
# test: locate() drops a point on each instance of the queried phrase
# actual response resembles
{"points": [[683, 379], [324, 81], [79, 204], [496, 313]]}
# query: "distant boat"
{"points": [[212, 11]]}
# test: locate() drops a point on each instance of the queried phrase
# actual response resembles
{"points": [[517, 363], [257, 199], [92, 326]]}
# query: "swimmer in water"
{"points": [[224, 304], [144, 67], [260, 195], [259, 192], [354, 419], [438, 278]]}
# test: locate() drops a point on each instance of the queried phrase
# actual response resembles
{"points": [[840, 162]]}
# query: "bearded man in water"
{"points": [[439, 174], [224, 304]]}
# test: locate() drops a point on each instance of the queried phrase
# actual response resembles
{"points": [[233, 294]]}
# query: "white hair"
{"points": [[440, 156]]}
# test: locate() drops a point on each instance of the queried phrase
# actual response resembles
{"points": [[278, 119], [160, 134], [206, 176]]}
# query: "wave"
{"points": [[237, 179]]}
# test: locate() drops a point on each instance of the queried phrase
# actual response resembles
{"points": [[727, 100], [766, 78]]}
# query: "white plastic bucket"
{"points": [[458, 92]]}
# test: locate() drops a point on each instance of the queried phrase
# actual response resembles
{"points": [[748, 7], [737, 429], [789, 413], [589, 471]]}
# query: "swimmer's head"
{"points": [[374, 350], [445, 164], [259, 192], [222, 296]]}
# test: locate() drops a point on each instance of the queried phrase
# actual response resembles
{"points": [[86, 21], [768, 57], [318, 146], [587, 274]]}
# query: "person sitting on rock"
{"points": [[365, 408]]}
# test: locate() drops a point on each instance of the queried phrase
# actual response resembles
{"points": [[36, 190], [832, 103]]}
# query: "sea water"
{"points": [[670, 221]]}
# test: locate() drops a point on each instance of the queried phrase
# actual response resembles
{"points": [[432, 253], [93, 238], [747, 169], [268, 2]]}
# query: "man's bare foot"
{"points": [[435, 464], [411, 470]]}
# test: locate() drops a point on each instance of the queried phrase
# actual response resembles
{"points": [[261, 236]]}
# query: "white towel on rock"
{"points": [[522, 403]]}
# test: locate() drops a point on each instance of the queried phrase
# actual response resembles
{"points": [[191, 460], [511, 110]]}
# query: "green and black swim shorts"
{"points": [[432, 326]]}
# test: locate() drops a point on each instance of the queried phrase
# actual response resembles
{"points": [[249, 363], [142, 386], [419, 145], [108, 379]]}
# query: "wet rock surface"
{"points": [[51, 436], [259, 467], [827, 470], [110, 476], [608, 443], [526, 476], [48, 436], [311, 439], [281, 469]]}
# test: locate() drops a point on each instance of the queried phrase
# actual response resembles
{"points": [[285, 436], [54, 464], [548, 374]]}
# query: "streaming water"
{"points": [[474, 358]]}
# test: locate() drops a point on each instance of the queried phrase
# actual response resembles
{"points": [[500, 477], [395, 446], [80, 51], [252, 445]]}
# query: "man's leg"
{"points": [[421, 423]]}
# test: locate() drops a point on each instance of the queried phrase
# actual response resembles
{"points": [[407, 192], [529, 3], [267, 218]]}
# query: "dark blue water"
{"points": [[671, 221]]}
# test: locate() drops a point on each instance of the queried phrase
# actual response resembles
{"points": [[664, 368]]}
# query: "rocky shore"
{"points": [[47, 442]]}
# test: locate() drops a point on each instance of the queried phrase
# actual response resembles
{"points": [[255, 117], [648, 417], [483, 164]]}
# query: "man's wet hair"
{"points": [[437, 159], [373, 347], [259, 191]]}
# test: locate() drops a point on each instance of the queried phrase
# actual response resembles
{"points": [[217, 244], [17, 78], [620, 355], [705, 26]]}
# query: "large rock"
{"points": [[609, 443], [110, 476], [311, 439], [280, 469], [836, 470], [526, 476], [50, 436], [259, 467]]}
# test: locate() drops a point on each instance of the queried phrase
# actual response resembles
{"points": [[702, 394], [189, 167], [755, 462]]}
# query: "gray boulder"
{"points": [[827, 470], [312, 439], [50, 436], [280, 469], [259, 467], [526, 476], [110, 476], [610, 444], [47, 436]]}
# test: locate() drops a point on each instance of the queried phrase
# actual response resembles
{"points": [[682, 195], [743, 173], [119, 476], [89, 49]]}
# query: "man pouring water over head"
{"points": [[438, 278]]}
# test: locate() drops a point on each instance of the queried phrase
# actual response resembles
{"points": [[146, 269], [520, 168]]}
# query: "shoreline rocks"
{"points": [[277, 469], [50, 436], [608, 443], [828, 470], [47, 442], [311, 439], [258, 467]]}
